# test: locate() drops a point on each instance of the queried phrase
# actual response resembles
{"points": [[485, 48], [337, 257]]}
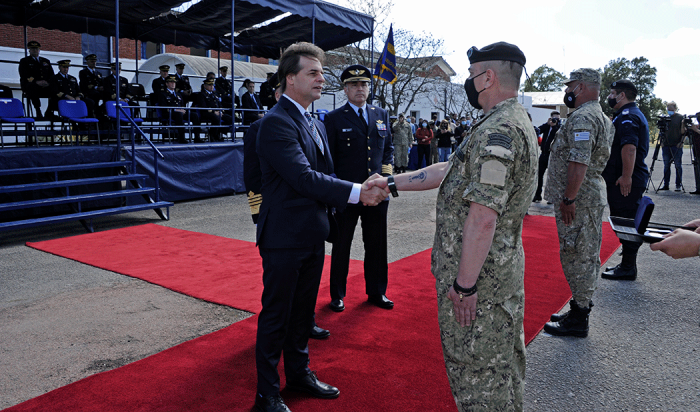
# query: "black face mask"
{"points": [[570, 99], [612, 102], [472, 94]]}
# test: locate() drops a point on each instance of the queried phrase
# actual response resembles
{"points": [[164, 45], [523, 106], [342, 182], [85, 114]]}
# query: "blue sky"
{"points": [[567, 35]]}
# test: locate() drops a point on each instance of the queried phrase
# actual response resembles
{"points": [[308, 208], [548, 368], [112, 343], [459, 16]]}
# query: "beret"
{"points": [[623, 84], [497, 51]]}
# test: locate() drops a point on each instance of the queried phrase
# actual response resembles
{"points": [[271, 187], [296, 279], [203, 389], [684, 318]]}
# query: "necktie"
{"points": [[362, 118], [314, 132]]}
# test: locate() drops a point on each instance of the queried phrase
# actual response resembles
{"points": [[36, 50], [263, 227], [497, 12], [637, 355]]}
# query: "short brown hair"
{"points": [[290, 60]]}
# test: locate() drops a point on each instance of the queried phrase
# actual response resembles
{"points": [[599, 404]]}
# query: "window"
{"points": [[199, 52], [149, 49]]}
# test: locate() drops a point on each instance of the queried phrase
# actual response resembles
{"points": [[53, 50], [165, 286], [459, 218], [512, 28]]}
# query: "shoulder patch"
{"points": [[498, 139], [581, 136], [626, 111]]}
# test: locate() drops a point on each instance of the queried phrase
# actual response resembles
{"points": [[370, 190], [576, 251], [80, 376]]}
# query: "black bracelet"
{"points": [[392, 186], [463, 293]]}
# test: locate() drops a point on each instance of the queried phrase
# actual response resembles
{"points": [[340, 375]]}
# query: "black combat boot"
{"points": [[626, 270], [558, 318], [574, 324]]}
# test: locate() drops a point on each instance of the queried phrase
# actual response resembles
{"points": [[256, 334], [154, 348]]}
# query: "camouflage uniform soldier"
{"points": [[403, 139], [579, 154], [485, 190]]}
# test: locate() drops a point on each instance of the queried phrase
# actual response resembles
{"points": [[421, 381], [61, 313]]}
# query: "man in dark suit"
{"points": [[267, 92], [224, 87], [183, 83], [250, 102], [359, 136], [549, 131], [65, 87], [210, 101], [158, 84], [176, 115], [91, 80], [297, 191], [110, 85], [35, 76]]}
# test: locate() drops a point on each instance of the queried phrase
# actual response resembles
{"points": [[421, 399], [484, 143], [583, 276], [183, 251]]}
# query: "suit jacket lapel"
{"points": [[301, 120]]}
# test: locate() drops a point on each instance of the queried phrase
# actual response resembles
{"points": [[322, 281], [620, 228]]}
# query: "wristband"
{"points": [[568, 201], [392, 186], [463, 293]]}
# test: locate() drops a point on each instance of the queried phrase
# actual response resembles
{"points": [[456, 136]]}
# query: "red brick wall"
{"points": [[54, 40]]}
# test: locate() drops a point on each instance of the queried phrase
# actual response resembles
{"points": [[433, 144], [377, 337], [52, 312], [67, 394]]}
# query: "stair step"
{"points": [[72, 182], [63, 168], [75, 199], [82, 215]]}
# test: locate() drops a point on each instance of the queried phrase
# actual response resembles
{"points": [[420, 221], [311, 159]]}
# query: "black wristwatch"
{"points": [[392, 186], [568, 201]]}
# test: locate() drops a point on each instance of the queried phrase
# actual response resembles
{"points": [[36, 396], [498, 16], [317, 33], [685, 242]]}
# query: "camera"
{"points": [[555, 120], [663, 123]]}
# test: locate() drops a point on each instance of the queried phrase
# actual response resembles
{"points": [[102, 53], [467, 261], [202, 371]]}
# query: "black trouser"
{"points": [[215, 132], [423, 151], [543, 163], [291, 278], [374, 236], [625, 206], [34, 94], [179, 119]]}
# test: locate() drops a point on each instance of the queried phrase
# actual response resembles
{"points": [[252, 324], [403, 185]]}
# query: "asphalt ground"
{"points": [[62, 320]]}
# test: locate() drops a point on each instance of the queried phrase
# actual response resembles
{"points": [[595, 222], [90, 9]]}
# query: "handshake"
{"points": [[374, 190]]}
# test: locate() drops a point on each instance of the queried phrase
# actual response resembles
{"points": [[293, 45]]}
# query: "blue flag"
{"points": [[386, 65]]}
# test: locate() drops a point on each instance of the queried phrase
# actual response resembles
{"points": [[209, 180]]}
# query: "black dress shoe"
{"points": [[270, 404], [311, 385], [663, 188], [611, 268], [537, 199], [337, 305], [381, 301], [621, 273], [319, 333], [696, 192]]}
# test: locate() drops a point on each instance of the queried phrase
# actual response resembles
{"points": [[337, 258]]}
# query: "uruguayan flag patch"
{"points": [[580, 136]]}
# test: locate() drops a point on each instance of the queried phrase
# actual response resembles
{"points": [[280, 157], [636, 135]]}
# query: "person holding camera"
{"points": [[672, 148], [462, 130], [626, 174], [548, 130], [444, 141]]}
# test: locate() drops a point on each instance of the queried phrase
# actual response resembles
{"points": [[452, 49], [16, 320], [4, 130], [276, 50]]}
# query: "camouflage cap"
{"points": [[584, 75]]}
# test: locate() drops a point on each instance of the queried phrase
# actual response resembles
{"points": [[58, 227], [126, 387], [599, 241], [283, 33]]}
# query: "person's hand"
{"points": [[679, 244], [694, 223], [379, 181], [625, 184], [42, 83], [181, 111], [568, 212], [372, 193], [70, 97], [465, 308]]}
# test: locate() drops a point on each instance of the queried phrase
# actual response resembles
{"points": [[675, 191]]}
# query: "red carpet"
{"points": [[402, 370]]}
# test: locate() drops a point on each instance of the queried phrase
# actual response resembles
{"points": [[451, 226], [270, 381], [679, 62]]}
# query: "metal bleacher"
{"points": [[83, 191]]}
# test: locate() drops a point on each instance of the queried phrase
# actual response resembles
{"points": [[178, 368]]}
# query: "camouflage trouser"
{"points": [[485, 361], [434, 151], [579, 251], [400, 155]]}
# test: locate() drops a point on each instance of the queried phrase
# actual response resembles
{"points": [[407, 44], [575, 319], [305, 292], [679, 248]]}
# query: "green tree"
{"points": [[544, 79], [639, 72]]}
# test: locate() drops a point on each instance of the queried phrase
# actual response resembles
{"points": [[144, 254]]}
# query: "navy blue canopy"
{"points": [[206, 24]]}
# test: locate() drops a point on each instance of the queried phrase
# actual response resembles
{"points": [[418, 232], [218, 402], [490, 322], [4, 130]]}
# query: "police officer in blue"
{"points": [[626, 174], [359, 138]]}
